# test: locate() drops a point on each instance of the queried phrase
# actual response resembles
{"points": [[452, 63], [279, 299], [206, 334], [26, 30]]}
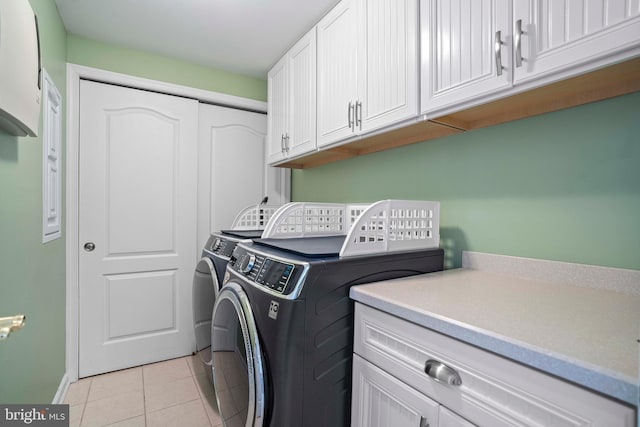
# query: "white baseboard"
{"points": [[62, 390]]}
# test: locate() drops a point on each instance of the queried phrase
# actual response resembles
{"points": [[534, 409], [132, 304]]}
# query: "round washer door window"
{"points": [[238, 366]]}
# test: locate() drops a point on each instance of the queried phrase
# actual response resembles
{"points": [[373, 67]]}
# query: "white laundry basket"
{"points": [[312, 219], [254, 217], [394, 226], [383, 226]]}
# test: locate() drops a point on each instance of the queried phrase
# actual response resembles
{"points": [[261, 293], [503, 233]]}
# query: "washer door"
{"points": [[205, 292], [238, 364]]}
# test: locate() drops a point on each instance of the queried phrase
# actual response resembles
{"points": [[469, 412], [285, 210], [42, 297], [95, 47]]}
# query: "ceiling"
{"points": [[241, 36]]}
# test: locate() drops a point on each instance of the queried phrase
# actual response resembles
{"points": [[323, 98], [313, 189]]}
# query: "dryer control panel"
{"points": [[275, 274], [220, 246]]}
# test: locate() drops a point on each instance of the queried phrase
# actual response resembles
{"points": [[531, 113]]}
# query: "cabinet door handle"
{"points": [[518, 42], [282, 142], [442, 373], [350, 114], [358, 114], [498, 52], [424, 422], [286, 143]]}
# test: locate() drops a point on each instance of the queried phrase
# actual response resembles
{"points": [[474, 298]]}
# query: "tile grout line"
{"points": [[84, 404], [144, 397]]}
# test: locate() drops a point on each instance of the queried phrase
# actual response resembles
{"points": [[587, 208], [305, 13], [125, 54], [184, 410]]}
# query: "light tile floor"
{"points": [[171, 393]]}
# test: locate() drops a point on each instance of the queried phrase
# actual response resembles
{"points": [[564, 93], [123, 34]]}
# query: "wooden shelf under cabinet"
{"points": [[604, 83], [615, 80], [410, 134]]}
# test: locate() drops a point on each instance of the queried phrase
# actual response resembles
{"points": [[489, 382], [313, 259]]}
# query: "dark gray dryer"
{"points": [[209, 273], [207, 281], [283, 328]]}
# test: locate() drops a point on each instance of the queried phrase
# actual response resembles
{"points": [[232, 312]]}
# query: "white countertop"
{"points": [[582, 334]]}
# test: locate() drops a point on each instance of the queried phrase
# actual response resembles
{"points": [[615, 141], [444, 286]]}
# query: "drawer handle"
{"points": [[442, 373]]}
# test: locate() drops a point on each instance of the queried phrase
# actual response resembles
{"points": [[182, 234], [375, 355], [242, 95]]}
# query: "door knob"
{"points": [[89, 246]]}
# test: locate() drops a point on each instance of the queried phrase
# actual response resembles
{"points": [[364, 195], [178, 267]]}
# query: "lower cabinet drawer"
{"points": [[493, 391]]}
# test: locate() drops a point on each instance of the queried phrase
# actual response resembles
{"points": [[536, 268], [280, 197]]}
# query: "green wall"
{"points": [[562, 186], [108, 57], [32, 274]]}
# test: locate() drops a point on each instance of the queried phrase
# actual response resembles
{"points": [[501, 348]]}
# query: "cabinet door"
{"points": [[561, 35], [449, 419], [460, 59], [338, 34], [388, 65], [277, 106], [302, 95], [380, 400]]}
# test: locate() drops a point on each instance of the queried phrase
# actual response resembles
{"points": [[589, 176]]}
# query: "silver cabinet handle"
{"points": [[442, 373], [286, 143], [518, 43], [498, 52], [11, 324], [424, 422], [358, 114], [282, 142], [89, 246], [350, 115]]}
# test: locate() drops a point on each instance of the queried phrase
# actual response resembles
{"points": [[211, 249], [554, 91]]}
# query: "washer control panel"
{"points": [[274, 274], [277, 275]]}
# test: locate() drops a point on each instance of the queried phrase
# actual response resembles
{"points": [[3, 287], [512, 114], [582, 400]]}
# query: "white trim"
{"points": [[205, 96], [51, 156], [63, 388], [74, 74]]}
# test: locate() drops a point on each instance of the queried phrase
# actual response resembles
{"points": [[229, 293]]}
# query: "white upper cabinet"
{"points": [[388, 71], [466, 50], [367, 67], [475, 51], [292, 102], [278, 108], [338, 35], [560, 36]]}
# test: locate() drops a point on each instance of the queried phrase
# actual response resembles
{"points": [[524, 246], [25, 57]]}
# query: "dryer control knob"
{"points": [[248, 263]]}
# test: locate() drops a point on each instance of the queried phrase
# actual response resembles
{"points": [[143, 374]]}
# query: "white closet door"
{"points": [[232, 167], [137, 226]]}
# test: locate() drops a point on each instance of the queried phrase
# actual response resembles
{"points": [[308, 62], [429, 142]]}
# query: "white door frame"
{"points": [[74, 74]]}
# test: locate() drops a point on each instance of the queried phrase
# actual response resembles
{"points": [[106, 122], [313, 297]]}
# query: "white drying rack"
{"points": [[254, 217], [380, 227]]}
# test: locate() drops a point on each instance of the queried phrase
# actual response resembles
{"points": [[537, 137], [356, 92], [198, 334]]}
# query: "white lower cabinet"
{"points": [[449, 419], [380, 400], [474, 387]]}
